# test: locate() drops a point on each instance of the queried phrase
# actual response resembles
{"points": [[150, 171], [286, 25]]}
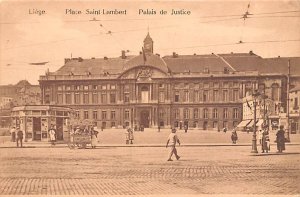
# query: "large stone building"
{"points": [[203, 91], [22, 93]]}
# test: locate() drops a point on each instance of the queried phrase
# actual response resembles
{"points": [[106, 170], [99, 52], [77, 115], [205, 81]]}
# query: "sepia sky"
{"points": [[212, 26]]}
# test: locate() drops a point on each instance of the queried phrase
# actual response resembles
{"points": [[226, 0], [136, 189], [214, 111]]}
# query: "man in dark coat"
{"points": [[280, 139], [19, 137], [186, 128]]}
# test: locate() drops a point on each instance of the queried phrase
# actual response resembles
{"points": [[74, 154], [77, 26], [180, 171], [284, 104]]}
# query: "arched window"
{"points": [[215, 113], [186, 114], [261, 88], [205, 113], [275, 92], [145, 94]]}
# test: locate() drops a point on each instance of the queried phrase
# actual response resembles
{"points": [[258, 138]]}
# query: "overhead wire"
{"points": [[233, 43], [246, 15], [139, 19], [278, 12]]}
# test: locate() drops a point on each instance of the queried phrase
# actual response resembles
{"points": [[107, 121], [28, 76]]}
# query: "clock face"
{"points": [[148, 46]]}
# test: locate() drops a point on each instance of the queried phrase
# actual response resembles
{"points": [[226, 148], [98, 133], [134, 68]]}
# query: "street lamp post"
{"points": [[158, 112], [288, 102], [254, 142]]}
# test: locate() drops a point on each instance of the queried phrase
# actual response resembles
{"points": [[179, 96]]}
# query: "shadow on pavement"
{"points": [[269, 154]]}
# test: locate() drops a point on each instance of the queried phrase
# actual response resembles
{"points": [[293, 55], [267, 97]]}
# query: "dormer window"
{"points": [[206, 70]]}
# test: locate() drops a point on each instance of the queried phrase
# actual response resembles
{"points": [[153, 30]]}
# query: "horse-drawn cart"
{"points": [[80, 135], [79, 140]]}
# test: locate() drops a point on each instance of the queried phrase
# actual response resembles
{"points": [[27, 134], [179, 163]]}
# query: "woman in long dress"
{"points": [[94, 138], [52, 135]]}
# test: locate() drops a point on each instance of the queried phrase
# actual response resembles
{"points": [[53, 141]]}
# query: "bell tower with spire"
{"points": [[148, 44]]}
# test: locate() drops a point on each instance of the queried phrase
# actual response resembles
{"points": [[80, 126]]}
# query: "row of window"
{"points": [[206, 113], [205, 125], [208, 85], [186, 114], [104, 115], [161, 85], [86, 98], [177, 97], [205, 96], [85, 87]]}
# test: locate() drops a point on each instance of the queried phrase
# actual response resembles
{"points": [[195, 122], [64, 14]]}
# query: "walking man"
{"points": [[173, 139], [19, 137], [280, 139], [185, 128]]}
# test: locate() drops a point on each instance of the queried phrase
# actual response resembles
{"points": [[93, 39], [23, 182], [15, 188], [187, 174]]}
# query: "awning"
{"points": [[259, 122], [252, 123], [244, 123]]}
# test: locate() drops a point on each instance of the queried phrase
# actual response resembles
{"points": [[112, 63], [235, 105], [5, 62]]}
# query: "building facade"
{"points": [[35, 121], [201, 91], [22, 93], [294, 109]]}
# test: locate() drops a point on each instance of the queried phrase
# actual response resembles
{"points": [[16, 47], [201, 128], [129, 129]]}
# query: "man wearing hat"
{"points": [[173, 139], [19, 137]]}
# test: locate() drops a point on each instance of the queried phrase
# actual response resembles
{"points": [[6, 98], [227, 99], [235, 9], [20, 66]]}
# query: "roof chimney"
{"points": [[251, 53], [67, 60], [175, 54], [123, 54], [226, 70]]}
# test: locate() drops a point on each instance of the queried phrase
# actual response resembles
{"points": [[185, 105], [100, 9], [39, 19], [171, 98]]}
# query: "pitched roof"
{"points": [[153, 60], [253, 62], [195, 63], [280, 65], [79, 66], [241, 62], [23, 83]]}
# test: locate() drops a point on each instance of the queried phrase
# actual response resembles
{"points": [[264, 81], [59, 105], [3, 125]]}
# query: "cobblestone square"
{"points": [[113, 170]]}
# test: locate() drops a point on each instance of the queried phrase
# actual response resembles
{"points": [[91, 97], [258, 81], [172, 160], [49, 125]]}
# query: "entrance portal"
{"points": [[145, 118], [36, 128], [59, 128]]}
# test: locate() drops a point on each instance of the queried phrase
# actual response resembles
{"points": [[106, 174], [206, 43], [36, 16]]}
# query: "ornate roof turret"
{"points": [[148, 44], [148, 38]]}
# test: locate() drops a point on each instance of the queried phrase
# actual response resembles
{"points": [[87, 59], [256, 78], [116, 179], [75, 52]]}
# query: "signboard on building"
{"points": [[283, 120]]}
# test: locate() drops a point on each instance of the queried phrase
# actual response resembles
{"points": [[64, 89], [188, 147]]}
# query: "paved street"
{"points": [[153, 137], [145, 171]]}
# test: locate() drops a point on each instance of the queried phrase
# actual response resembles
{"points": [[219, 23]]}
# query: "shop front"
{"points": [[294, 121], [36, 120]]}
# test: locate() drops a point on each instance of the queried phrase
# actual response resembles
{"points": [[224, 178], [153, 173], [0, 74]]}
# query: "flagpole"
{"points": [[288, 102]]}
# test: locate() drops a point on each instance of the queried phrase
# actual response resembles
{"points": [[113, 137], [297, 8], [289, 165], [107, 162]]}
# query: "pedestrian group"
{"points": [[263, 137]]}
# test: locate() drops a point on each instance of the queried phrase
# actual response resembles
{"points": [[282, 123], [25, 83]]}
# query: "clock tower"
{"points": [[148, 44]]}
